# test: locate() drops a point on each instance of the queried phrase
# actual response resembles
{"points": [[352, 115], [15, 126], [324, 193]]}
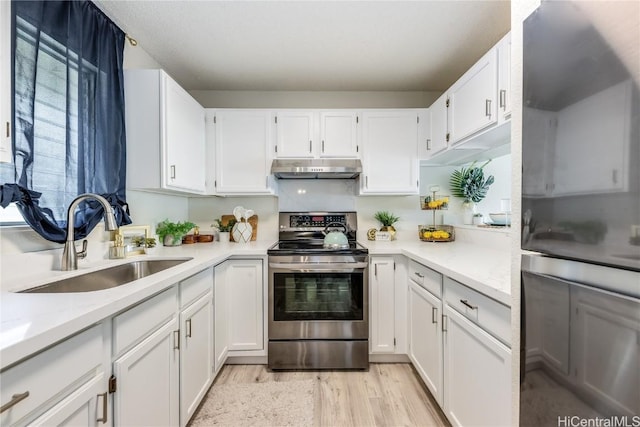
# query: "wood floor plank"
{"points": [[386, 395]]}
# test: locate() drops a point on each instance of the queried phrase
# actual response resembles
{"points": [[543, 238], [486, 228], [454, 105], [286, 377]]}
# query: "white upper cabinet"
{"points": [[294, 134], [165, 134], [315, 134], [504, 78], [242, 151], [338, 134], [438, 126], [472, 99], [389, 152]]}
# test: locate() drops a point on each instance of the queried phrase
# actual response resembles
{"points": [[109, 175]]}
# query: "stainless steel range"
{"points": [[318, 296]]}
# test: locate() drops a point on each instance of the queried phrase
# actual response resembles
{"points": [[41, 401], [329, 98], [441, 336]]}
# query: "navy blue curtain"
{"points": [[69, 125]]}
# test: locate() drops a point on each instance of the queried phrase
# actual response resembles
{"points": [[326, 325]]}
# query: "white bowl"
{"points": [[500, 218]]}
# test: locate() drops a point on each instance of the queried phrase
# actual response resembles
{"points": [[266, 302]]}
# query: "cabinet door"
{"points": [[294, 130], [504, 78], [389, 152], [147, 378], [338, 134], [184, 139], [601, 122], [221, 316], [242, 152], [245, 296], [438, 122], [477, 374], [382, 303], [606, 349], [196, 358], [472, 99], [87, 406], [425, 338]]}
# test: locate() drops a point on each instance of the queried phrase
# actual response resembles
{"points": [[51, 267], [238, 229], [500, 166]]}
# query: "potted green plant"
{"points": [[224, 229], [171, 233], [387, 219], [470, 184]]}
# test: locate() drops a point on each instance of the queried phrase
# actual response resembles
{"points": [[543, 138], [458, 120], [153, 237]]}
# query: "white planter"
{"points": [[468, 209], [223, 236], [242, 232]]}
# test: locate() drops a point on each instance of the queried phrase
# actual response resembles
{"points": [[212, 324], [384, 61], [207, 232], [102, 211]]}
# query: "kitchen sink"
{"points": [[109, 277]]}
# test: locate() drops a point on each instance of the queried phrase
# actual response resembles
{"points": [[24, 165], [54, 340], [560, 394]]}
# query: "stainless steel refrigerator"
{"points": [[580, 324]]}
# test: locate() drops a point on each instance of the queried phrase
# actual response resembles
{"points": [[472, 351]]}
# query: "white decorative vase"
{"points": [[223, 236], [468, 209], [242, 232], [170, 241]]}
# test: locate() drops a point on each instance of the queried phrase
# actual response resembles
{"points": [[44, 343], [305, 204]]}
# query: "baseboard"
{"points": [[246, 360], [389, 358]]}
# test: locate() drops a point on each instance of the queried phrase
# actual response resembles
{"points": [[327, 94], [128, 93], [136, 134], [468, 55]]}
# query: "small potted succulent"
{"points": [[171, 233], [147, 244], [387, 219], [224, 229]]}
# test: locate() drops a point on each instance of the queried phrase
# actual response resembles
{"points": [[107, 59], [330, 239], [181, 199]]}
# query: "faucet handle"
{"points": [[83, 253]]}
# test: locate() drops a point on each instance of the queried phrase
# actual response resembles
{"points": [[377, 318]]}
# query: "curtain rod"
{"points": [[132, 41]]}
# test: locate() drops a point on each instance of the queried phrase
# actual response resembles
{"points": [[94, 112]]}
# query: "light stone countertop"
{"points": [[487, 270], [31, 322]]}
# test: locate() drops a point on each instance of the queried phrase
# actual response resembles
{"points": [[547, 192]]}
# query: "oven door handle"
{"points": [[344, 267]]}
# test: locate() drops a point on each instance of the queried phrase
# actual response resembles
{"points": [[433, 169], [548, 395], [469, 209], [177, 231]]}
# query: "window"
{"points": [[68, 114]]}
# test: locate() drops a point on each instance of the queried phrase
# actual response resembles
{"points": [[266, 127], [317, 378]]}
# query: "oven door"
{"points": [[318, 301]]}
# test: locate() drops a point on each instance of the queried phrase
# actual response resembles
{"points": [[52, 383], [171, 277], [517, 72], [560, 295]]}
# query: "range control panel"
{"points": [[296, 221]]}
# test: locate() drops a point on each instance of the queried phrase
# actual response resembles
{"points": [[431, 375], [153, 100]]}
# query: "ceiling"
{"points": [[313, 45]]}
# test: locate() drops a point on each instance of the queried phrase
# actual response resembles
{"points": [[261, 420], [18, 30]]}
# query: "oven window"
{"points": [[318, 296]]}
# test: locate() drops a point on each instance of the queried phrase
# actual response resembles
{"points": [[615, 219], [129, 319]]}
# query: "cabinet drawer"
{"points": [[135, 324], [51, 375], [195, 286], [427, 278], [489, 314]]}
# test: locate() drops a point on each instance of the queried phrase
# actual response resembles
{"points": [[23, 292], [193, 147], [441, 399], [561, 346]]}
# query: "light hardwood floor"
{"points": [[386, 395]]}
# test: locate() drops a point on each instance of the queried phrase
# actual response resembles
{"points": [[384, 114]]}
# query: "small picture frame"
{"points": [[383, 236], [129, 232]]}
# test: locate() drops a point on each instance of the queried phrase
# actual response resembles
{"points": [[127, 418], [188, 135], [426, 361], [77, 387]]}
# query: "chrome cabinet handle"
{"points": [[487, 108], [503, 99], [173, 171], [176, 340], [366, 182], [103, 419], [323, 145], [418, 274], [310, 146], [614, 176], [428, 145], [188, 328], [444, 323], [15, 399], [466, 302], [434, 315], [375, 268]]}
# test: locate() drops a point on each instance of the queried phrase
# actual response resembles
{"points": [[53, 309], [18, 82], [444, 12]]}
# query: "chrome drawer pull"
{"points": [[188, 328], [15, 399], [419, 275], [103, 419], [465, 302], [434, 315]]}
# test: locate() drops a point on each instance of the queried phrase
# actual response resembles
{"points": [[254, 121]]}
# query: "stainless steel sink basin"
{"points": [[109, 277]]}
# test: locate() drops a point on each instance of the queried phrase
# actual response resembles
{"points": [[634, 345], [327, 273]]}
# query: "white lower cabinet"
{"points": [[196, 341], [425, 337], [239, 309], [382, 304], [477, 374], [457, 344], [63, 385], [147, 380], [220, 317]]}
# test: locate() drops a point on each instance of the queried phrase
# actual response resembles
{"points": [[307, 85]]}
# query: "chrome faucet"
{"points": [[69, 254]]}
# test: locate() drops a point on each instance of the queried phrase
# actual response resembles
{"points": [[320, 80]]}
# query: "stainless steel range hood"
{"points": [[316, 168]]}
